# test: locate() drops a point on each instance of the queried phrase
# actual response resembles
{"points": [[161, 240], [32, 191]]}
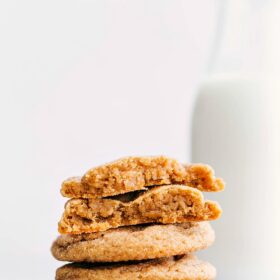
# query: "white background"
{"points": [[82, 83]]}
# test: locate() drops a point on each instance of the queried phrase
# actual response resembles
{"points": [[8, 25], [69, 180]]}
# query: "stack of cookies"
{"points": [[137, 218]]}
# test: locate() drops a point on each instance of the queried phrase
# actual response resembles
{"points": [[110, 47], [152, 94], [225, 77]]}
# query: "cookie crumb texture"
{"points": [[175, 268], [139, 242], [165, 204], [138, 173]]}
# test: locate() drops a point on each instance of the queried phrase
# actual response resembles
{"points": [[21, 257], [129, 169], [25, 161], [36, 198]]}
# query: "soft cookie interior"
{"points": [[165, 204], [139, 173]]}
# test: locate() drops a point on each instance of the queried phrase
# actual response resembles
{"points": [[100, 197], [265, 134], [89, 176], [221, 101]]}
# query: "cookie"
{"points": [[138, 173], [165, 204], [134, 243], [186, 267]]}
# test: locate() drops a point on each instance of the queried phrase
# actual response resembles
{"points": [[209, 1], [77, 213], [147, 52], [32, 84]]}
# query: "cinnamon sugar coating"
{"points": [[138, 242], [185, 267]]}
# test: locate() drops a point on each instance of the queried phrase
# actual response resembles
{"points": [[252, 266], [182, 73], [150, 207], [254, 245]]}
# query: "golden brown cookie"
{"points": [[175, 268], [134, 243], [165, 204], [138, 173]]}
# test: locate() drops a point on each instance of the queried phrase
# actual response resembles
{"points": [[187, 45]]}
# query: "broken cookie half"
{"points": [[165, 205], [139, 173]]}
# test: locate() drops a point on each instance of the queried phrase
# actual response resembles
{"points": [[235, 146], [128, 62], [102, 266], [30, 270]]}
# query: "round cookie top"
{"points": [[134, 243], [185, 267]]}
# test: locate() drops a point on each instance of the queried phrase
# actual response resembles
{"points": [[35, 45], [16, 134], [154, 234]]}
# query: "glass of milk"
{"points": [[236, 129]]}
